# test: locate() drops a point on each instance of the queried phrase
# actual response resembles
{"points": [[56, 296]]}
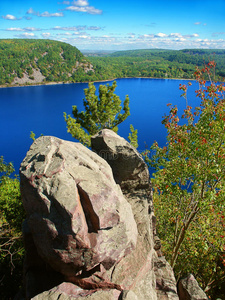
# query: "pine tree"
{"points": [[103, 111]]}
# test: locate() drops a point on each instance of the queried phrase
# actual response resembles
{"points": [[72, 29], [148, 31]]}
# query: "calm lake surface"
{"points": [[40, 109]]}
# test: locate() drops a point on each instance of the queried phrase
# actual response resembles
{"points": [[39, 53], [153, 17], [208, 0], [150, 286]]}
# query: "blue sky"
{"points": [[117, 24]]}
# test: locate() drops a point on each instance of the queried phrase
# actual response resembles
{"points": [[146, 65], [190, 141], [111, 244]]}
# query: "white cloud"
{"points": [[80, 37], [31, 29], [84, 37], [146, 36], [31, 11], [160, 34], [94, 28], [132, 41], [175, 35], [46, 34], [77, 33], [65, 33], [26, 35], [44, 14], [188, 36], [85, 9], [75, 3], [199, 23], [14, 29], [10, 17], [217, 33], [131, 35], [77, 28], [23, 29], [80, 3], [81, 6], [58, 28], [47, 14]]}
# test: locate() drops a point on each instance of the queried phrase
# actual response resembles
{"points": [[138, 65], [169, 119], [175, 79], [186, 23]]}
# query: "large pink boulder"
{"points": [[76, 213], [90, 231]]}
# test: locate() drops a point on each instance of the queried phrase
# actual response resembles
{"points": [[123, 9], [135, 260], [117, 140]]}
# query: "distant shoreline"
{"points": [[61, 82]]}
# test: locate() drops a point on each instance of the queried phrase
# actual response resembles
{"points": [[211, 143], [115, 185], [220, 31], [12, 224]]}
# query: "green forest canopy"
{"points": [[56, 61], [61, 62], [158, 63]]}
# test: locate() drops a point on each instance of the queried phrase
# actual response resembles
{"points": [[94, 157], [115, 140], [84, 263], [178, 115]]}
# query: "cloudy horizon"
{"points": [[117, 25]]}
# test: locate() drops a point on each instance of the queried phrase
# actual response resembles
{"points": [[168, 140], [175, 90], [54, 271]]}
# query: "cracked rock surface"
{"points": [[77, 216], [90, 231]]}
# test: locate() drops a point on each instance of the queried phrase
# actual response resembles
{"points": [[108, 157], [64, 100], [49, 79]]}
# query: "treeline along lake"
{"points": [[40, 109]]}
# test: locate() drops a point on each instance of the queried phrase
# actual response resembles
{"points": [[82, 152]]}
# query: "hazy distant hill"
{"points": [[24, 61], [159, 63]]}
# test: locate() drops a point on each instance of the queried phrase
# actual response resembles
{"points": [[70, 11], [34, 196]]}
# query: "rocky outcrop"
{"points": [[36, 77], [90, 231], [188, 289], [131, 173]]}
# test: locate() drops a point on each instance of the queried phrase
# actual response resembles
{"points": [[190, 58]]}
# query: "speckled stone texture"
{"points": [[90, 231]]}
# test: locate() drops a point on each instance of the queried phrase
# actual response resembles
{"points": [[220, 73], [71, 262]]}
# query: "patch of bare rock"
{"points": [[37, 77], [90, 230]]}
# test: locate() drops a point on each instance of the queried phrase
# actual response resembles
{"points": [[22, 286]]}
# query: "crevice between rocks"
{"points": [[91, 217]]}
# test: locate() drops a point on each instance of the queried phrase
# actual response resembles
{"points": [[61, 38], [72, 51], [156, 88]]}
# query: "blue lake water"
{"points": [[40, 109]]}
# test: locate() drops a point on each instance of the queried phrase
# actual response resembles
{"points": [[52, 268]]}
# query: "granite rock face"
{"points": [[129, 169], [78, 217], [151, 276], [188, 289], [90, 231]]}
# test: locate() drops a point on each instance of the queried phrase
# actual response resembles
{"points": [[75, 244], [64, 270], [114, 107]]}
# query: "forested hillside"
{"points": [[25, 61], [158, 63]]}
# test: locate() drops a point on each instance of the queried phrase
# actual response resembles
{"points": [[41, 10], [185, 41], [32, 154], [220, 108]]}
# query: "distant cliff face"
{"points": [[41, 61]]}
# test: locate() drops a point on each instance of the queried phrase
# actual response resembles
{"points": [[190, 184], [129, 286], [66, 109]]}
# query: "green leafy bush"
{"points": [[189, 186], [11, 243]]}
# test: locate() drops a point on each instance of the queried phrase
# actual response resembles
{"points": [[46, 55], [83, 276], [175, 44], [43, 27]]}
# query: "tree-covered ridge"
{"points": [[31, 61], [158, 63]]}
